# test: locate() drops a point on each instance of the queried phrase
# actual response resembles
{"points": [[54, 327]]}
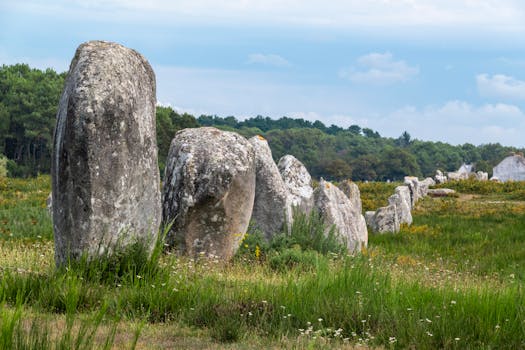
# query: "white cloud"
{"points": [[268, 60], [457, 122], [379, 68], [502, 15], [501, 86]]}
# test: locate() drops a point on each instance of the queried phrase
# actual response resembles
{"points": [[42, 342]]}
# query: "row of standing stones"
{"points": [[106, 184], [400, 205]]}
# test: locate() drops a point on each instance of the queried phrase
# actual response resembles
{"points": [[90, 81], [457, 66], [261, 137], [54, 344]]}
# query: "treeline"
{"points": [[29, 99]]}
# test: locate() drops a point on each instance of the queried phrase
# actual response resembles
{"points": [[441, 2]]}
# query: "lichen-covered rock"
{"points": [[440, 177], [402, 202], [413, 185], [104, 172], [482, 176], [336, 209], [424, 185], [271, 208], [351, 190], [512, 168], [298, 182], [208, 191], [385, 220]]}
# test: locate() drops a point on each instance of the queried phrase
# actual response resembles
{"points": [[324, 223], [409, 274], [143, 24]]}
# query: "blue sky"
{"points": [[443, 70]]}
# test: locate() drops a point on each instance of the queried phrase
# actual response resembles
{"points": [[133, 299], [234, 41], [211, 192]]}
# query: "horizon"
{"points": [[452, 73]]}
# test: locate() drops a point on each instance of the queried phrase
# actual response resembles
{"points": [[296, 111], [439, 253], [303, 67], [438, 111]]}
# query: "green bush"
{"points": [[294, 258], [309, 232]]}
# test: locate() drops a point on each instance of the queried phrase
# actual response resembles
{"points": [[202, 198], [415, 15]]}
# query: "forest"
{"points": [[29, 99]]}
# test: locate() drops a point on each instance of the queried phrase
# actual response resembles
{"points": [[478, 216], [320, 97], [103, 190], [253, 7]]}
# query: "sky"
{"points": [[442, 70]]}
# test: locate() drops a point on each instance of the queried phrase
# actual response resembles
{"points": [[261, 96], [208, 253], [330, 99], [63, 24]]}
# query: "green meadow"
{"points": [[454, 280]]}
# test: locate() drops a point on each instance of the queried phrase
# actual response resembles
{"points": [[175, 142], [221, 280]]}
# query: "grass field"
{"points": [[454, 279]]}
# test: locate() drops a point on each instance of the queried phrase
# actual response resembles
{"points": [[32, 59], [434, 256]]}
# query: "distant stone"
{"points": [[482, 176], [351, 190], [462, 173], [272, 208], [337, 209], [511, 168], [208, 192], [385, 220], [104, 171], [298, 182], [440, 177], [369, 216], [440, 192], [413, 184], [424, 186]]}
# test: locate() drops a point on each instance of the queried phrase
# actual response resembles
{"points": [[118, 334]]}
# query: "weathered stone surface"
{"points": [[336, 209], [208, 192], [402, 202], [413, 185], [397, 212], [462, 173], [424, 186], [298, 182], [351, 190], [385, 220], [482, 176], [369, 216], [104, 172], [440, 177], [511, 168], [272, 208], [440, 192]]}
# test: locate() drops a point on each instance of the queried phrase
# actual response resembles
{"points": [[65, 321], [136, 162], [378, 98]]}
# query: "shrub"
{"points": [[309, 232]]}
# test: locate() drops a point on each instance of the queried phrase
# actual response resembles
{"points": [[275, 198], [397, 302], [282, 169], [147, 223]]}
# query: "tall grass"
{"points": [[430, 286]]}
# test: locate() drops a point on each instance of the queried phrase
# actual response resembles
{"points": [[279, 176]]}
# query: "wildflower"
{"points": [[428, 321], [497, 326], [250, 313], [257, 251], [456, 339], [392, 340], [453, 302], [430, 334], [320, 319], [139, 276]]}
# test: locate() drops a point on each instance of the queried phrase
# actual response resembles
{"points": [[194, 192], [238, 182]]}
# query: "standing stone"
{"points": [[413, 184], [402, 202], [271, 208], [424, 186], [482, 176], [336, 209], [208, 192], [440, 177], [298, 182], [351, 190], [104, 172], [384, 220]]}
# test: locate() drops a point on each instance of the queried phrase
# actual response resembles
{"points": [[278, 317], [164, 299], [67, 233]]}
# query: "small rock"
{"points": [[440, 192]]}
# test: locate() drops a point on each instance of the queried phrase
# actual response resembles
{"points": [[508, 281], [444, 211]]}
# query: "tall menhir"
{"points": [[104, 173]]}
